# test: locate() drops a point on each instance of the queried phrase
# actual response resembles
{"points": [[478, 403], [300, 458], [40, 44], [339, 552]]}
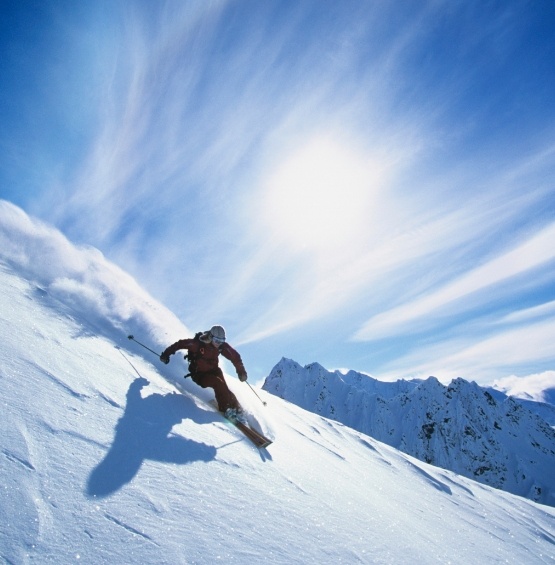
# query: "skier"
{"points": [[203, 352]]}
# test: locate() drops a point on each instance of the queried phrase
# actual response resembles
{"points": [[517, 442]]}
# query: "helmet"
{"points": [[216, 334]]}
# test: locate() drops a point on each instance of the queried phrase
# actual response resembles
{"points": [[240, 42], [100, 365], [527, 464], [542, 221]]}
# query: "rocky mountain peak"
{"points": [[462, 426]]}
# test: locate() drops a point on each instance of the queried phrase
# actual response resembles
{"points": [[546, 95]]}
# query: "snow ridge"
{"points": [[461, 427]]}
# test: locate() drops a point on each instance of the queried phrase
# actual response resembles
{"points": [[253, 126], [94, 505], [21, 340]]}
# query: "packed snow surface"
{"points": [[107, 456]]}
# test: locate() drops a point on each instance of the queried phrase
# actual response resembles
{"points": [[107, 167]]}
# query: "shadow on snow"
{"points": [[143, 432]]}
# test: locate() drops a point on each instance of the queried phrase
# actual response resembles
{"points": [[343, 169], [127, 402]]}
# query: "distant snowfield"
{"points": [[107, 458]]}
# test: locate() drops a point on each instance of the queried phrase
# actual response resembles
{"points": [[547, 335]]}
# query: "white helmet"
{"points": [[216, 334]]}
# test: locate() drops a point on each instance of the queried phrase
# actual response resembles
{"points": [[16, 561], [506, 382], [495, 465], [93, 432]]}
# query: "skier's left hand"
{"points": [[242, 377]]}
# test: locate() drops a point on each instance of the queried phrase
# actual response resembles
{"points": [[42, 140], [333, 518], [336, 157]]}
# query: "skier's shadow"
{"points": [[143, 433]]}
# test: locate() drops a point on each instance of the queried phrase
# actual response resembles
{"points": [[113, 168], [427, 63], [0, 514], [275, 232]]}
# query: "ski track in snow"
{"points": [[12, 457], [129, 529], [439, 485]]}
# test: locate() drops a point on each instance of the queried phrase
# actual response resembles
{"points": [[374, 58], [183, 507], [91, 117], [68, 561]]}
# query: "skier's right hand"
{"points": [[165, 358]]}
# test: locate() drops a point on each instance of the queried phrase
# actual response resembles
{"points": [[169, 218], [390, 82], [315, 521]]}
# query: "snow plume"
{"points": [[89, 286]]}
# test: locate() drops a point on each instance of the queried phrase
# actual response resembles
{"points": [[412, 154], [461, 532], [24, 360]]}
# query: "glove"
{"points": [[165, 358], [242, 377]]}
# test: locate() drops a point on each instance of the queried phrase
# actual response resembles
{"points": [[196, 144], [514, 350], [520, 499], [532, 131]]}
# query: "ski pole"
{"points": [[127, 359], [131, 337], [263, 402]]}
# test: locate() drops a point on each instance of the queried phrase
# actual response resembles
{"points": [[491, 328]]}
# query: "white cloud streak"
{"points": [[480, 360], [535, 251], [200, 107]]}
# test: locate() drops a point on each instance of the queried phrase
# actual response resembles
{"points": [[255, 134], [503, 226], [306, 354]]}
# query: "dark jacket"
{"points": [[205, 355]]}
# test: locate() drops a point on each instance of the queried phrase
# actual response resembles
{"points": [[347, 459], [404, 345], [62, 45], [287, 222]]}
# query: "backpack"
{"points": [[191, 357]]}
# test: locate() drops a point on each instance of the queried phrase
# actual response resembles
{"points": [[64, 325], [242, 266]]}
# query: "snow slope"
{"points": [[460, 427], [107, 458]]}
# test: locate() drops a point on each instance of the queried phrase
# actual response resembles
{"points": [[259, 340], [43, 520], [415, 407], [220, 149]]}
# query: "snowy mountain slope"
{"points": [[99, 465], [106, 458], [460, 427], [543, 409], [543, 406]]}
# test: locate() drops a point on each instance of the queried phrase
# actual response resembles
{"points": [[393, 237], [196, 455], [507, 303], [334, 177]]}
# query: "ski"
{"points": [[256, 437]]}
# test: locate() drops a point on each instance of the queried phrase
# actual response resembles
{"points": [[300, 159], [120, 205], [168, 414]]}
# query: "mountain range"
{"points": [[479, 433]]}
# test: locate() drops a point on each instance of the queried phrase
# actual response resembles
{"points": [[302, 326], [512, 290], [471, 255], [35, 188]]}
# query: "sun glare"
{"points": [[320, 197]]}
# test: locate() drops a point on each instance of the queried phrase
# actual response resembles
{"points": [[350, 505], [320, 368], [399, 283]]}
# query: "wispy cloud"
{"points": [[483, 359], [533, 252], [170, 159], [545, 310], [274, 166]]}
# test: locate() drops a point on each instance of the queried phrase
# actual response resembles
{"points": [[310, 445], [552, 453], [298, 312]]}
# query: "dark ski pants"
{"points": [[215, 379]]}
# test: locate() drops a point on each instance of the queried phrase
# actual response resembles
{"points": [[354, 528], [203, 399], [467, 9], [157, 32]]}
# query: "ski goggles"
{"points": [[217, 340]]}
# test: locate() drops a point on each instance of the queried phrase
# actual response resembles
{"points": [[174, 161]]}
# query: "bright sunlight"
{"points": [[320, 198]]}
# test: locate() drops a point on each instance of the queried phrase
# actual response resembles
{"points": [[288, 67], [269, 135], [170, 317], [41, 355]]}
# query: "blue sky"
{"points": [[369, 185]]}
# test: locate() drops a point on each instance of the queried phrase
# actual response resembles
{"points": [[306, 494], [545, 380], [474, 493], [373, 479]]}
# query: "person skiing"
{"points": [[202, 353]]}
